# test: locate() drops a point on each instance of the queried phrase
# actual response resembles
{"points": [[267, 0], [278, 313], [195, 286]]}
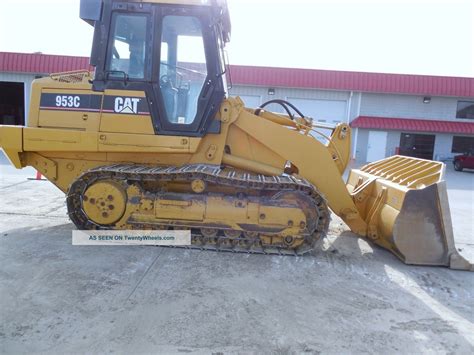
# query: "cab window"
{"points": [[128, 53], [183, 69]]}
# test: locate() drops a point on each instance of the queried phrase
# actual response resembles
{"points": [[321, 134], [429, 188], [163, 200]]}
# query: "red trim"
{"points": [[413, 125], [41, 63], [275, 77]]}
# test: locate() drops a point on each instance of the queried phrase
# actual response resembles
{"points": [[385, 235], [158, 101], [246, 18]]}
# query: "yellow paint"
{"points": [[119, 142], [43, 139], [11, 141], [113, 123]]}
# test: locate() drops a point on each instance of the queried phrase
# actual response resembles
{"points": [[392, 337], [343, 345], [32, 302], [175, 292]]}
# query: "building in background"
{"points": [[430, 117]]}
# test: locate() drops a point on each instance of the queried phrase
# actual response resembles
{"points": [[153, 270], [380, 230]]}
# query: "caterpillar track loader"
{"points": [[151, 140]]}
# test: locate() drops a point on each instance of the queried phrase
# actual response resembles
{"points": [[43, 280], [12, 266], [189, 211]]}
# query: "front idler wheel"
{"points": [[104, 202]]}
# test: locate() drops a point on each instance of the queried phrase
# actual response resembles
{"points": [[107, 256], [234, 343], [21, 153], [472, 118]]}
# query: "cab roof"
{"points": [[91, 10]]}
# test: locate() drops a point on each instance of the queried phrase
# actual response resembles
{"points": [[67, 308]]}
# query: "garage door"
{"points": [[251, 101], [323, 111], [417, 145], [12, 103]]}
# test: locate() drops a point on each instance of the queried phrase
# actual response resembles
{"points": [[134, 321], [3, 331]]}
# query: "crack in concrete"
{"points": [[30, 215], [143, 276], [18, 183]]}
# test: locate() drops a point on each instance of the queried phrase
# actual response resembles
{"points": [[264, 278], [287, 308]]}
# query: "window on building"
{"points": [[463, 144], [465, 110]]}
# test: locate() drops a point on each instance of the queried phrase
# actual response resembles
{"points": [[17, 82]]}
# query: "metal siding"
{"points": [[443, 146], [408, 106], [355, 106]]}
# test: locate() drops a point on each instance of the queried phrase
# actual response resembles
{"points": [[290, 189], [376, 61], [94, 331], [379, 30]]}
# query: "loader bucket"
{"points": [[404, 202]]}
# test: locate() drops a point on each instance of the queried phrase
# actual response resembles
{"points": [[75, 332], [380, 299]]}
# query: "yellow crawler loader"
{"points": [[151, 140]]}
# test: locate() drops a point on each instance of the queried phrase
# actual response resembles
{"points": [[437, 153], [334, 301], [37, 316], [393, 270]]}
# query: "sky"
{"points": [[430, 37]]}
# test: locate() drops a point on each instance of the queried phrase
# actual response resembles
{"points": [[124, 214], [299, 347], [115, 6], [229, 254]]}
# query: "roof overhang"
{"points": [[413, 125]]}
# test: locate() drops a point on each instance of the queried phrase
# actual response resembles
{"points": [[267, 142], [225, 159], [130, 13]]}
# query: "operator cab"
{"points": [[186, 86]]}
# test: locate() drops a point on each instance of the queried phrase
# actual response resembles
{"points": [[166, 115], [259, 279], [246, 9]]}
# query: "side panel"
{"points": [[44, 140], [11, 141], [69, 108], [120, 142]]}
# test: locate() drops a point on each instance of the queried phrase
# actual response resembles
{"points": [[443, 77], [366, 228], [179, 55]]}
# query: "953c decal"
{"points": [[71, 102], [68, 101]]}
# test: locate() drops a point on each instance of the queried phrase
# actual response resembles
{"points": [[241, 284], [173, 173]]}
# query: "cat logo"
{"points": [[127, 105]]}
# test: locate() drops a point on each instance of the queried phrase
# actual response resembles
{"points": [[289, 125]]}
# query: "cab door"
{"points": [[124, 68], [189, 84]]}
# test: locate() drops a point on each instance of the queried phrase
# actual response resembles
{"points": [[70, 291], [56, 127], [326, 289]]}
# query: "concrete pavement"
{"points": [[348, 297]]}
